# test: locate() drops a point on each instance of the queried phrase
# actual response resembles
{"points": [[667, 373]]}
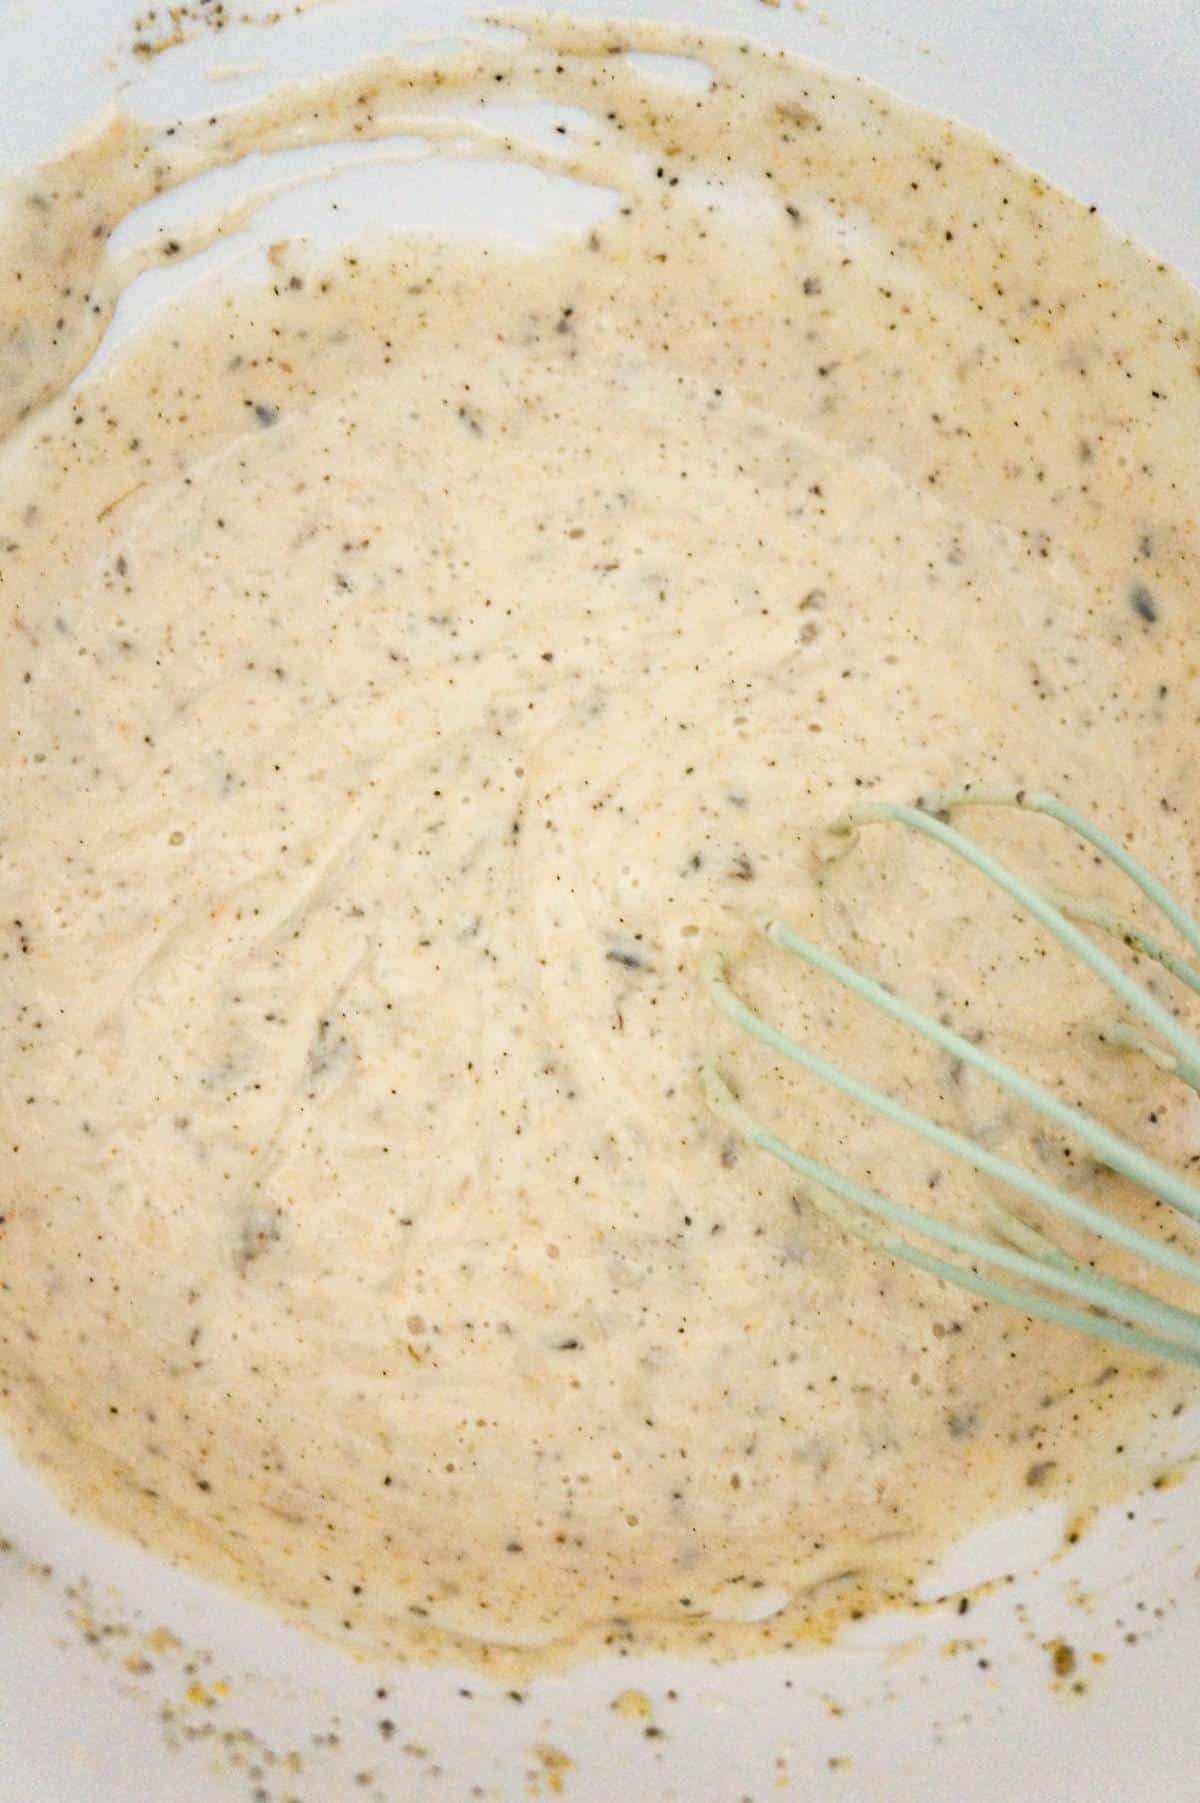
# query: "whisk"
{"points": [[1014, 1262]]}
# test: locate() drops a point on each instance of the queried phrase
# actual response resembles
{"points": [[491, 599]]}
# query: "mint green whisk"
{"points": [[1016, 1263]]}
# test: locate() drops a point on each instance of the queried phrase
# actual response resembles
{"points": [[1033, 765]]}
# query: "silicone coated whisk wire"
{"points": [[1018, 1263]]}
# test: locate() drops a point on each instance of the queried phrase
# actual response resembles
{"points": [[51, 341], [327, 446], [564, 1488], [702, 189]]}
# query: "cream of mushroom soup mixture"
{"points": [[415, 662]]}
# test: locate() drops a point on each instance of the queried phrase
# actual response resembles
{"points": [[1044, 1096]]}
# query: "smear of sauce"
{"points": [[411, 666]]}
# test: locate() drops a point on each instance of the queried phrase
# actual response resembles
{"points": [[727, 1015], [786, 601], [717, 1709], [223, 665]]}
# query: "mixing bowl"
{"points": [[1071, 1676]]}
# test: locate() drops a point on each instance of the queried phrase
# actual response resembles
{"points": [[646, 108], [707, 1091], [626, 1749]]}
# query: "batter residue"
{"points": [[412, 665]]}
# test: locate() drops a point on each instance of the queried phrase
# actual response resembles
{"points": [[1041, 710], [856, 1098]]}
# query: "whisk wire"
{"points": [[1179, 1331], [1018, 1249], [992, 1164], [1185, 1044], [1036, 801], [1097, 915], [1140, 1167]]}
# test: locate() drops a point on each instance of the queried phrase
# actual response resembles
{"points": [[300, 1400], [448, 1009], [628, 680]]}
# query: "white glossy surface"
{"points": [[1099, 97]]}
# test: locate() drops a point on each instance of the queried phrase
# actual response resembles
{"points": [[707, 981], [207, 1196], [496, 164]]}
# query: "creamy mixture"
{"points": [[412, 666]]}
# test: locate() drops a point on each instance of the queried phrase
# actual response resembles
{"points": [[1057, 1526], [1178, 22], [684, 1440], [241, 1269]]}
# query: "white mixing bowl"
{"points": [[123, 1681]]}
